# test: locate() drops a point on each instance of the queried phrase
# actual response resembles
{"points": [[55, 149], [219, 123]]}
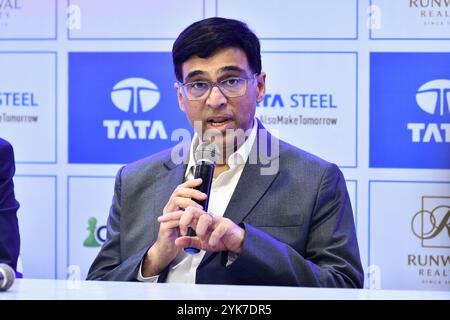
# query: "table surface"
{"points": [[31, 289]]}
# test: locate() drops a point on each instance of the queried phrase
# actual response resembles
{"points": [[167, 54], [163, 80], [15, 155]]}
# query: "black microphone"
{"points": [[7, 277], [205, 159]]}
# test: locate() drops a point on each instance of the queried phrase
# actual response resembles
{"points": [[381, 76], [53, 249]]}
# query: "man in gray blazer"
{"points": [[277, 215]]}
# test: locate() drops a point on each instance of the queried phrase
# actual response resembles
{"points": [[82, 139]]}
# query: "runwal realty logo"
{"points": [[122, 106], [7, 9], [410, 110], [433, 13], [431, 225]]}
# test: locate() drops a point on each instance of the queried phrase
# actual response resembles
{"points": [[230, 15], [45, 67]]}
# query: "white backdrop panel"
{"points": [[408, 236], [295, 18], [88, 207], [133, 18], [28, 104], [311, 100], [420, 19], [37, 225]]}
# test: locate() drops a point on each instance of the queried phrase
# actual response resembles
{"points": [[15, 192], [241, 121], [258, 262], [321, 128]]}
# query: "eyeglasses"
{"points": [[230, 87]]}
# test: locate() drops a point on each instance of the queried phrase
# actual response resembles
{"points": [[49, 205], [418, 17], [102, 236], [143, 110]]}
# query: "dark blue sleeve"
{"points": [[9, 228]]}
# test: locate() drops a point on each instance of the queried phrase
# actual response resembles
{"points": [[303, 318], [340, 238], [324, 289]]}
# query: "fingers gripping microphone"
{"points": [[205, 159], [7, 277]]}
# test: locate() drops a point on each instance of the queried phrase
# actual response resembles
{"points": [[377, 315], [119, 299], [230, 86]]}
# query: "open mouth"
{"points": [[218, 121]]}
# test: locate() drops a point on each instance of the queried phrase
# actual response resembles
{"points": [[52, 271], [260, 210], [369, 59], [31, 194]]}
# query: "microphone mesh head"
{"points": [[206, 151], [7, 277]]}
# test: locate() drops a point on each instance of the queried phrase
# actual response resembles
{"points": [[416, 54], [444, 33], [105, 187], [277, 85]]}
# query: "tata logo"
{"points": [[18, 99], [299, 101], [135, 95], [432, 225], [433, 98]]}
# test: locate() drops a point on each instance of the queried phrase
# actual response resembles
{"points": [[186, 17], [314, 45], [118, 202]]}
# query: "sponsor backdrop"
{"points": [[87, 86]]}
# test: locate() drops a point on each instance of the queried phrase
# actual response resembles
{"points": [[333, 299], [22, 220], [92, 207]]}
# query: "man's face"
{"points": [[216, 111]]}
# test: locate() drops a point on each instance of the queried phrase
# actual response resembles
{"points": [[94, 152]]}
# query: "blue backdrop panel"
{"points": [[122, 106], [410, 110]]}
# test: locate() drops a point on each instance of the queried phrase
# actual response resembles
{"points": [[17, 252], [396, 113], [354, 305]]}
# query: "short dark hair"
{"points": [[204, 37]]}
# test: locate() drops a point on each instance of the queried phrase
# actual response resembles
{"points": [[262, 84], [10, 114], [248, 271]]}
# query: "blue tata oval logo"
{"points": [[433, 96], [135, 95]]}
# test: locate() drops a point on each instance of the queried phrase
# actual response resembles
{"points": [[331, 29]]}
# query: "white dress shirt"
{"points": [[183, 267]]}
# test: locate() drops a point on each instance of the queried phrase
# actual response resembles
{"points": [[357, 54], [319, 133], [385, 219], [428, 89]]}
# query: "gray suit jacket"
{"points": [[299, 228]]}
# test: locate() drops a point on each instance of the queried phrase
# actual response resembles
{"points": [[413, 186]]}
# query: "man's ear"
{"points": [[261, 87], [179, 96]]}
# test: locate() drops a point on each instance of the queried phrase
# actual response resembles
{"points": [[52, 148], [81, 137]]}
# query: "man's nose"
{"points": [[216, 98]]}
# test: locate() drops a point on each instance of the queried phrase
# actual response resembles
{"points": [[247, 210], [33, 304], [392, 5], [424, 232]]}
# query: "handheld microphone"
{"points": [[7, 277], [205, 159]]}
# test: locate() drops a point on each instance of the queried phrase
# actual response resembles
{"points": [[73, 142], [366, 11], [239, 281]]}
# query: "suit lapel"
{"points": [[169, 179], [250, 189], [252, 184], [171, 175]]}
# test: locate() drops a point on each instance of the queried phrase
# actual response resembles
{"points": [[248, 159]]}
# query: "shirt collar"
{"points": [[237, 158]]}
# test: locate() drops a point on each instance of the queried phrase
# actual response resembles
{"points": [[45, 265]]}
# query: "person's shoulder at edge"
{"points": [[5, 145], [6, 157]]}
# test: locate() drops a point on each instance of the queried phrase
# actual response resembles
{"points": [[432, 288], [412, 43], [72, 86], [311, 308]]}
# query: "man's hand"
{"points": [[164, 249], [213, 233], [182, 196]]}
